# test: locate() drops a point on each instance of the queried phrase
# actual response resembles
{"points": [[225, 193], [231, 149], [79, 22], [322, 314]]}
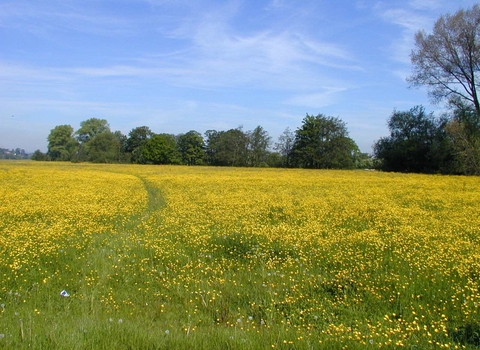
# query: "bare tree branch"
{"points": [[448, 60]]}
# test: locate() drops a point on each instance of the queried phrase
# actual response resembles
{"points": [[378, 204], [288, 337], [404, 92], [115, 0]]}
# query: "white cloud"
{"points": [[318, 99], [281, 61], [274, 59], [405, 18], [28, 76], [277, 4], [47, 19], [426, 4], [409, 20], [212, 52], [412, 16]]}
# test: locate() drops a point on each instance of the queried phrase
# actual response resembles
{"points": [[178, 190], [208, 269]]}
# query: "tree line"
{"points": [[321, 142], [446, 62], [16, 153]]}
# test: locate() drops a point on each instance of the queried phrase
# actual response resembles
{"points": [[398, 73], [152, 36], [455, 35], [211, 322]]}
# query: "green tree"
{"points": [[448, 60], [39, 156], [275, 160], [227, 148], [363, 161], [61, 143], [211, 146], [464, 132], [161, 149], [16, 153], [235, 147], [417, 143], [90, 128], [284, 147], [191, 147], [137, 138], [323, 143], [258, 144], [104, 148], [124, 157]]}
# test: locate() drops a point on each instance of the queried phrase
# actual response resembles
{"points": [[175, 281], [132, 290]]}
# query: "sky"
{"points": [[181, 65]]}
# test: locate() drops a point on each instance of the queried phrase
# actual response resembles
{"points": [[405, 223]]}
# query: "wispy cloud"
{"points": [[290, 60], [18, 72], [407, 19], [210, 52], [410, 21], [412, 16], [216, 53], [318, 99], [426, 4], [47, 19]]}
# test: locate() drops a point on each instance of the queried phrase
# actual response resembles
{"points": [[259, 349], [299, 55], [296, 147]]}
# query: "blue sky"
{"points": [[180, 65]]}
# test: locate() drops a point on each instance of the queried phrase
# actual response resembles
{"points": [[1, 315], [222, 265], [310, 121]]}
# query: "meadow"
{"points": [[173, 257]]}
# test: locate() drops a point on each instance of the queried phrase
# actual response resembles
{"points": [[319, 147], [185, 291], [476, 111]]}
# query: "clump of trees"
{"points": [[418, 143], [16, 153], [447, 63], [321, 142]]}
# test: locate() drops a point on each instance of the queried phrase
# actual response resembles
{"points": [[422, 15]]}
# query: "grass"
{"points": [[225, 258]]}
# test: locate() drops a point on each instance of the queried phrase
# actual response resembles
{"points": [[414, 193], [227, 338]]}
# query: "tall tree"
{"points": [[284, 147], [90, 128], [227, 148], [104, 148], [61, 143], [211, 147], [161, 149], [39, 156], [448, 60], [323, 143], [258, 144], [191, 147], [232, 148], [137, 138], [122, 142], [417, 143], [464, 132]]}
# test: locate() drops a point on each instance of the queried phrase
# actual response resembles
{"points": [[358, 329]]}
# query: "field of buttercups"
{"points": [[156, 257]]}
